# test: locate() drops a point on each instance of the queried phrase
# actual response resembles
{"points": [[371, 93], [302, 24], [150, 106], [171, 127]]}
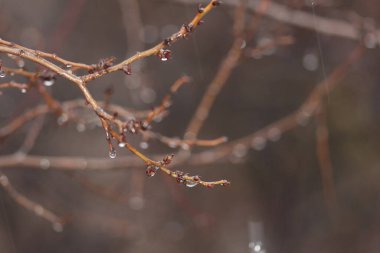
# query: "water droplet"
{"points": [[158, 118], [69, 66], [164, 54], [23, 90], [62, 119], [185, 146], [256, 247], [263, 42], [258, 143], [173, 143], [81, 127], [48, 82], [310, 62], [39, 210], [122, 144], [20, 63], [57, 227], [144, 145], [2, 74], [112, 153], [303, 118], [151, 170], [240, 150], [191, 183], [127, 69], [274, 134], [243, 44], [371, 41], [4, 180], [45, 164]]}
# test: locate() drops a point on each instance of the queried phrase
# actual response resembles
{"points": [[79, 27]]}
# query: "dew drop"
{"points": [[112, 153], [62, 119], [127, 69], [122, 144], [243, 44], [4, 180], [2, 74], [256, 247], [264, 42], [370, 40], [39, 210], [240, 150], [81, 127], [191, 183], [258, 143], [144, 145], [173, 143], [20, 63], [185, 146], [69, 66], [164, 54], [48, 82], [151, 170], [45, 164], [303, 118], [274, 134], [23, 90], [57, 227], [310, 62]]}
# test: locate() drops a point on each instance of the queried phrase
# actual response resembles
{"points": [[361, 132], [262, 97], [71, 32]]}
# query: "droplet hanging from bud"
{"points": [[112, 153], [191, 183], [164, 54], [48, 83], [2, 73], [151, 170], [62, 119], [127, 69]]}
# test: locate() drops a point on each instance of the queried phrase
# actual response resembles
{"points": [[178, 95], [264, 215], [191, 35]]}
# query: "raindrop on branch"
{"points": [[274, 134], [81, 127], [112, 153], [45, 164], [2, 74], [151, 170], [62, 119], [48, 82], [191, 183], [57, 227], [240, 150], [164, 54], [258, 143]]}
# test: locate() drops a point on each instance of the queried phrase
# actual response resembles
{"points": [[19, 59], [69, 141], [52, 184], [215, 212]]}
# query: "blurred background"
{"points": [[276, 201]]}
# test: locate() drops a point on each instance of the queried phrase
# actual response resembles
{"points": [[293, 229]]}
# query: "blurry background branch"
{"points": [[307, 20]]}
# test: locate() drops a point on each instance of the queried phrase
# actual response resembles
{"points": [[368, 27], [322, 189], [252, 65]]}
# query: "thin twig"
{"points": [[30, 205]]}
